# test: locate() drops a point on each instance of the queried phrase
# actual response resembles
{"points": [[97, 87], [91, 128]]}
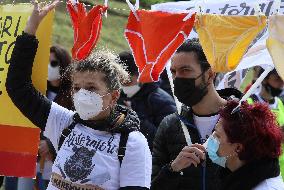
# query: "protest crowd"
{"points": [[155, 116]]}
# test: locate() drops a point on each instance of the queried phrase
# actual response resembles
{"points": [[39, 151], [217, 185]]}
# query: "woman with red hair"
{"points": [[248, 143]]}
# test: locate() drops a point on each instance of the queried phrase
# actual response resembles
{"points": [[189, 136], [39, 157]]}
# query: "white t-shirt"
{"points": [[88, 158], [205, 125], [275, 183]]}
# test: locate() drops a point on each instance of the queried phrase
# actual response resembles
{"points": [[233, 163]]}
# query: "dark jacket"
{"points": [[168, 143], [151, 104], [1, 180], [251, 174], [32, 103], [164, 83]]}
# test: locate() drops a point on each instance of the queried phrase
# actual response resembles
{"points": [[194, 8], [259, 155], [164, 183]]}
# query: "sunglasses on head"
{"points": [[237, 112]]}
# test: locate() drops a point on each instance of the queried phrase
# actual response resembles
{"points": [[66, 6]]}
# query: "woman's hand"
{"points": [[193, 154], [37, 16]]}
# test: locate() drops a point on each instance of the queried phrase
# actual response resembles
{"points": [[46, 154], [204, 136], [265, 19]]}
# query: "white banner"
{"points": [[225, 7], [257, 55]]}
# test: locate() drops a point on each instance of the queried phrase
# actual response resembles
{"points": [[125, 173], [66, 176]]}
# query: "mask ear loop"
{"points": [[111, 109]]}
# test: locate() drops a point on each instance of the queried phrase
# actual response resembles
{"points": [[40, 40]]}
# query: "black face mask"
{"points": [[187, 92], [273, 91]]}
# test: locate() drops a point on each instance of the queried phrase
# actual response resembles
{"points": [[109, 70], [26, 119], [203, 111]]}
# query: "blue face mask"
{"points": [[212, 149]]}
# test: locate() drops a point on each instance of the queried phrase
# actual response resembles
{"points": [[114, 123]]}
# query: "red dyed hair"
{"points": [[255, 127]]}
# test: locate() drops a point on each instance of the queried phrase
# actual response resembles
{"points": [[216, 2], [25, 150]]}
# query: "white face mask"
{"points": [[53, 73], [130, 91], [88, 104]]}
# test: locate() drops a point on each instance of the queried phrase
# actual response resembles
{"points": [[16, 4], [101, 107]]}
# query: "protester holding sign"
{"points": [[248, 142], [103, 148], [176, 164]]}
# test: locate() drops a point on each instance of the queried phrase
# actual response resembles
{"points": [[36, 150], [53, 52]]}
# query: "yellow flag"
{"points": [[19, 138]]}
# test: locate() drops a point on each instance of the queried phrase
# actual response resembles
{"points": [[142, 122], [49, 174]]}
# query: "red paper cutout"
{"points": [[154, 39], [87, 27]]}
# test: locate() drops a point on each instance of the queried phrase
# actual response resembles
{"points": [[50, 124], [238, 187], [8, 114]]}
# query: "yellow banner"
{"points": [[13, 19]]}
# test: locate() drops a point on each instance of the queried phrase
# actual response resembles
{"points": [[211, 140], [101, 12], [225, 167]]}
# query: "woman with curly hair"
{"points": [[98, 146], [248, 143]]}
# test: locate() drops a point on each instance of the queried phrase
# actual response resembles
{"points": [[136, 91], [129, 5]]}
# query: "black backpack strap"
{"points": [[65, 133], [122, 146]]}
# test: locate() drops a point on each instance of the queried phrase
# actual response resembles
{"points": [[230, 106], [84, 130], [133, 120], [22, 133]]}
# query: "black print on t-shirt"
{"points": [[79, 139], [79, 166]]}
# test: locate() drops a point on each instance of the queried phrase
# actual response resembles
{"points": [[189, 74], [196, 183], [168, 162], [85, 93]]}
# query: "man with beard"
{"points": [[177, 165]]}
